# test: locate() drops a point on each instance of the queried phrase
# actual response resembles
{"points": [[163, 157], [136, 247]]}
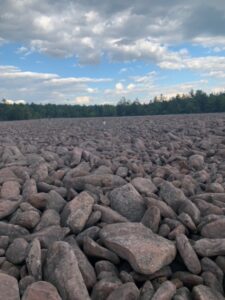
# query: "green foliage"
{"points": [[195, 102]]}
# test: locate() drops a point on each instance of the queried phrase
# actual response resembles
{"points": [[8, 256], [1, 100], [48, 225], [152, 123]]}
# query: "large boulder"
{"points": [[145, 251], [62, 270], [128, 202]]}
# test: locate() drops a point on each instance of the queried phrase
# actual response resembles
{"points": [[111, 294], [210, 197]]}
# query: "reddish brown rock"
{"points": [[41, 290]]}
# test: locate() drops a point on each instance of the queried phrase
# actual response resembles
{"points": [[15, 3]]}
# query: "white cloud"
{"points": [[119, 87], [83, 100]]}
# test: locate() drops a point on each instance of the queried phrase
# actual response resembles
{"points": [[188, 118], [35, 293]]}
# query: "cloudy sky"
{"points": [[93, 51]]}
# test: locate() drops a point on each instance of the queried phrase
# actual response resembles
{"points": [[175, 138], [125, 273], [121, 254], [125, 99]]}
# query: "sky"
{"points": [[96, 52]]}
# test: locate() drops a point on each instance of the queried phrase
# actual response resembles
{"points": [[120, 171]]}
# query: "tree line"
{"points": [[194, 102]]}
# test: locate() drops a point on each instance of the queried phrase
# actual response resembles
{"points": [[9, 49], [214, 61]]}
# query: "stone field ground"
{"points": [[116, 208]]}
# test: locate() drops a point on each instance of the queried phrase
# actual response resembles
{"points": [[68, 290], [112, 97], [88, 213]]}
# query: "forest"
{"points": [[195, 102]]}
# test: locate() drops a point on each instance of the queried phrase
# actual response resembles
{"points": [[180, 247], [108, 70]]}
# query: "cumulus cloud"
{"points": [[123, 31]]}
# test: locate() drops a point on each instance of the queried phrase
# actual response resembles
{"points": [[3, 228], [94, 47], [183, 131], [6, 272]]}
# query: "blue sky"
{"points": [[94, 52]]}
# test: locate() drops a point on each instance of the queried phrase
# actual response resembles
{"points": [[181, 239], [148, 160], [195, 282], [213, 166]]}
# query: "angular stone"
{"points": [[28, 219], [165, 210], [49, 235], [128, 202], [188, 254], [62, 270], [91, 248], [215, 229], [50, 217], [202, 292], [9, 289], [10, 190], [41, 290], [86, 268], [111, 181], [125, 291], [7, 207], [13, 231], [109, 215], [29, 188], [175, 198], [144, 186], [151, 218], [33, 260], [145, 251], [16, 251], [76, 213], [210, 247]]}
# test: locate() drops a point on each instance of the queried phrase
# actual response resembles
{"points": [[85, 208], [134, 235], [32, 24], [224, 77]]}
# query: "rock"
{"points": [[86, 269], [49, 235], [196, 162], [151, 218], [188, 254], [76, 213], [41, 290], [188, 279], [175, 198], [7, 207], [38, 200], [109, 215], [4, 241], [9, 287], [109, 180], [92, 232], [24, 283], [16, 251], [215, 229], [208, 265], [28, 219], [94, 218], [144, 186], [211, 281], [165, 210], [145, 251], [165, 292], [29, 189], [147, 291], [55, 201], [61, 269], [13, 231], [128, 202], [182, 293], [105, 266], [187, 221], [50, 217], [76, 157], [202, 292], [10, 190], [33, 260], [91, 248], [210, 247], [125, 291], [122, 172], [104, 288]]}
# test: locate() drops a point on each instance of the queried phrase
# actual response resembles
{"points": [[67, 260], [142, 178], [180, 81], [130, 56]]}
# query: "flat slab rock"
{"points": [[145, 251]]}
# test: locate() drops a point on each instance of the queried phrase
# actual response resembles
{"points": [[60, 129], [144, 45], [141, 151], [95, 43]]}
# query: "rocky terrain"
{"points": [[126, 209]]}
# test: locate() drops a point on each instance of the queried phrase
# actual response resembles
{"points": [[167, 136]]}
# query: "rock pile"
{"points": [[134, 210]]}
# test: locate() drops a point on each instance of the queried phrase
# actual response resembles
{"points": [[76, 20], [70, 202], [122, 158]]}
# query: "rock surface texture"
{"points": [[132, 210]]}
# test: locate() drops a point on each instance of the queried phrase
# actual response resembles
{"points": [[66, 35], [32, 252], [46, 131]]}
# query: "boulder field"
{"points": [[126, 208]]}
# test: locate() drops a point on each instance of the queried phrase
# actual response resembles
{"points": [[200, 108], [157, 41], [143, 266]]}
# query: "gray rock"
{"points": [[10, 190], [188, 254], [41, 290], [76, 213], [210, 247], [16, 251], [128, 202], [33, 260], [62, 270], [9, 287], [144, 186], [202, 292], [145, 251], [125, 291], [86, 269], [7, 207]]}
